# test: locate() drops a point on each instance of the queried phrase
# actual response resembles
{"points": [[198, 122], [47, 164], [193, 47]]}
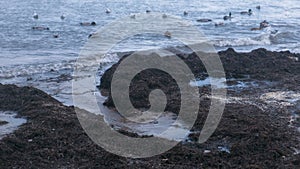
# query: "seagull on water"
{"points": [[132, 16], [62, 17], [108, 11], [35, 15]]}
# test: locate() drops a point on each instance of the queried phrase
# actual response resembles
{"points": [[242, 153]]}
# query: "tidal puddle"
{"points": [[165, 126], [9, 122]]}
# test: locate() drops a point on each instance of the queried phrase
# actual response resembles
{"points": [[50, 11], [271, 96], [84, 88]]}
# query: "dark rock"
{"points": [[259, 64], [3, 122]]}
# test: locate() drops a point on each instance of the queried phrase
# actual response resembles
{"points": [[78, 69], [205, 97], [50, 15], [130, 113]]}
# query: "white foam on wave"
{"points": [[296, 49], [263, 39], [30, 69], [54, 78], [217, 82], [110, 58]]}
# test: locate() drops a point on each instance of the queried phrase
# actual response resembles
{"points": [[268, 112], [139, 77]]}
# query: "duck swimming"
{"points": [[255, 29], [219, 24], [107, 11], [249, 12], [164, 16], [262, 25], [185, 13], [227, 17], [35, 15], [132, 16], [168, 34], [204, 20], [40, 28], [62, 17], [274, 31], [92, 35], [87, 23]]}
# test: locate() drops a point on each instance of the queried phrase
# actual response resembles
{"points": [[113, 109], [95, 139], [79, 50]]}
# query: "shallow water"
{"points": [[13, 122], [217, 82], [154, 125]]}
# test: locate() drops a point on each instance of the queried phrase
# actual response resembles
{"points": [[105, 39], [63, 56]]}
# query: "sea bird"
{"points": [[227, 17], [204, 20], [35, 15], [132, 16], [107, 11], [62, 17], [88, 23], [219, 24], [40, 28], [249, 12], [262, 25], [168, 34]]}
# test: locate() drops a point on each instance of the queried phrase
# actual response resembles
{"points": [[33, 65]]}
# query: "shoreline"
{"points": [[254, 131]]}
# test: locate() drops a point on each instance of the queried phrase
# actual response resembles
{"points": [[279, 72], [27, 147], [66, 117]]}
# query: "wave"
{"points": [[268, 37], [284, 38], [30, 69], [260, 40], [22, 70]]}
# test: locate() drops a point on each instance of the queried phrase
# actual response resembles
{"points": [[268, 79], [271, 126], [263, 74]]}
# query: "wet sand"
{"points": [[259, 127]]}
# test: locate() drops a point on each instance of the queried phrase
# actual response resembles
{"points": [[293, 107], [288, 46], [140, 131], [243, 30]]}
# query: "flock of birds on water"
{"points": [[168, 34]]}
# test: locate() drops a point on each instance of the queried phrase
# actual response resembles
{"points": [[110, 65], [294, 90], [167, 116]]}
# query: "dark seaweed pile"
{"points": [[254, 137]]}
